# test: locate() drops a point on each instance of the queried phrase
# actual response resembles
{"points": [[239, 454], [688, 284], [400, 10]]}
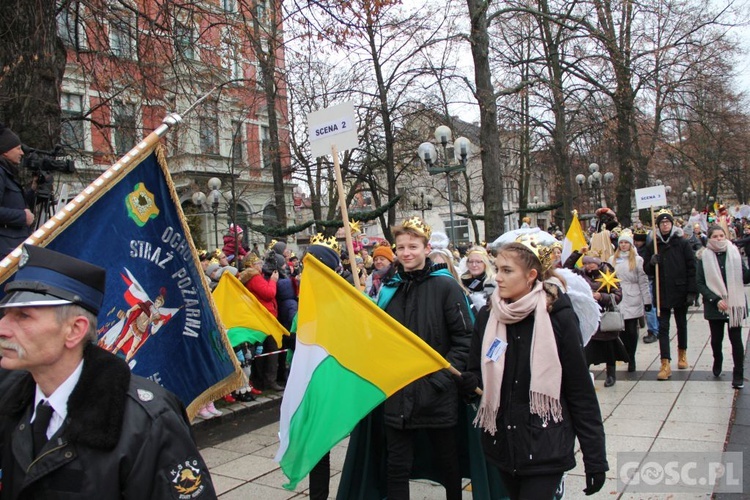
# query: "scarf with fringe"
{"points": [[546, 371], [732, 291]]}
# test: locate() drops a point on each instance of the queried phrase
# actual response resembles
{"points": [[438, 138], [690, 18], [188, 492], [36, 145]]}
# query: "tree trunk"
{"points": [[32, 61], [489, 136]]}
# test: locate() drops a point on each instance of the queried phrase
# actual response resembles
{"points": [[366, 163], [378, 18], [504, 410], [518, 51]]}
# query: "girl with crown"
{"points": [[537, 394]]}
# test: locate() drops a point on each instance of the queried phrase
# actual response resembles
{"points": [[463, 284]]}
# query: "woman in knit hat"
{"points": [[636, 291], [15, 217], [382, 262]]}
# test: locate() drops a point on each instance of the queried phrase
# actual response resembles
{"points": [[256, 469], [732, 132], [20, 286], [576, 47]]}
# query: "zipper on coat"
{"points": [[44, 455]]}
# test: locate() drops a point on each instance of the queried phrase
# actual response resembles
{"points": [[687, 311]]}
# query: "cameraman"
{"points": [[15, 217]]}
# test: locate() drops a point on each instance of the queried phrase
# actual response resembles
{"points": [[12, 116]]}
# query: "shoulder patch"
{"points": [[186, 479], [145, 395]]}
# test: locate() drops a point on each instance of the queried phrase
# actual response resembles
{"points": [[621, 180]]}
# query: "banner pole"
{"points": [[345, 217], [656, 274], [94, 190]]}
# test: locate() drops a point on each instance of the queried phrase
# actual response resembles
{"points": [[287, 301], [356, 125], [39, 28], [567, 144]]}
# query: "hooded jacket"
{"points": [[676, 271], [124, 437], [431, 304]]}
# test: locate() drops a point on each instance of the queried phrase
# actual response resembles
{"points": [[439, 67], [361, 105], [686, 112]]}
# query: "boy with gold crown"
{"points": [[428, 301]]}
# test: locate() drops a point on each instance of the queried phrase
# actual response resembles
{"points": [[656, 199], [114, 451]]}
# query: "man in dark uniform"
{"points": [[74, 422], [15, 217]]}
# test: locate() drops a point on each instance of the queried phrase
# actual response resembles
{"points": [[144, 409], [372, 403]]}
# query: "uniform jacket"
{"points": [[676, 271], [124, 438], [636, 291], [13, 228], [710, 299], [431, 304], [523, 444]]}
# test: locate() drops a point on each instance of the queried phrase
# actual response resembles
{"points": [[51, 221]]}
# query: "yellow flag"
{"points": [[574, 239], [242, 313]]}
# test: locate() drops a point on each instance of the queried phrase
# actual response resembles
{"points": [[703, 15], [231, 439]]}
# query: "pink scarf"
{"points": [[546, 371], [732, 291]]}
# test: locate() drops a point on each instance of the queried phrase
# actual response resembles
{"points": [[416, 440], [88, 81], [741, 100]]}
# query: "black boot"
{"points": [[630, 341], [718, 359], [611, 376], [738, 378]]}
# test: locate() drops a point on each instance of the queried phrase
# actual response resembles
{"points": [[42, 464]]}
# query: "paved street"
{"points": [[691, 412]]}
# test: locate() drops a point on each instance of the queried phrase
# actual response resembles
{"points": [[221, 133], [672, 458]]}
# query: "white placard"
{"points": [[336, 125], [654, 196]]}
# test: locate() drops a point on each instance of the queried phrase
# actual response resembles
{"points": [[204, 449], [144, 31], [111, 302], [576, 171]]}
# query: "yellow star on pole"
{"points": [[608, 279], [354, 226]]}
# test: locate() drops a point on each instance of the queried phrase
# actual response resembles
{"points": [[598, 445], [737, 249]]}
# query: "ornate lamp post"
{"points": [[199, 199], [421, 202], [428, 153]]}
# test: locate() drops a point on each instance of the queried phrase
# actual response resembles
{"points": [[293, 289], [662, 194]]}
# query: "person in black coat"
{"points": [[15, 216], [428, 301], [526, 350], [720, 278], [74, 422], [677, 288]]}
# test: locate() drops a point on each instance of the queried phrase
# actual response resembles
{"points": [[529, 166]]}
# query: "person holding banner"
{"points": [[720, 277], [676, 286], [74, 422]]}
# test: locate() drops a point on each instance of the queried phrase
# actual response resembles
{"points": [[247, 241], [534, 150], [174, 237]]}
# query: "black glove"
{"points": [[691, 296], [466, 383], [655, 259], [594, 482], [647, 307]]}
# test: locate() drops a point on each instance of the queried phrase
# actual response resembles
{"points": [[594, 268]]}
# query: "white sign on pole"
{"points": [[334, 126], [654, 196]]}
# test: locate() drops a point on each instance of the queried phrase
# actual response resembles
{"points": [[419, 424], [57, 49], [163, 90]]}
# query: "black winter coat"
{"points": [[710, 299], [13, 203], [124, 438], [523, 445], [676, 271], [434, 307]]}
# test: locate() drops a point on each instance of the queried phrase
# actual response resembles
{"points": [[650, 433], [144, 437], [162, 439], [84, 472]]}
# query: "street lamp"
{"points": [[428, 154], [421, 202], [595, 182], [199, 199]]}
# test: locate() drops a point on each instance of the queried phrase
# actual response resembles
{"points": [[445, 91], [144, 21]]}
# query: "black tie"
{"points": [[41, 422]]}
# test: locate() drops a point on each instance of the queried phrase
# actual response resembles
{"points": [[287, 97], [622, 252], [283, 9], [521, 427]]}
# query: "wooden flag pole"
{"points": [[656, 274], [94, 190], [345, 216]]}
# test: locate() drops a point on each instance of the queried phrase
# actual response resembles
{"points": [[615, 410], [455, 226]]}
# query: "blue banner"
{"points": [[157, 313]]}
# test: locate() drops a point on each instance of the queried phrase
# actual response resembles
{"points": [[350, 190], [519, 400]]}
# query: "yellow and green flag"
{"points": [[244, 317], [350, 357]]}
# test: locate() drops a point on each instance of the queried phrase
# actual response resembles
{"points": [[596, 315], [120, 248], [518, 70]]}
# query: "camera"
{"points": [[41, 163], [270, 264]]}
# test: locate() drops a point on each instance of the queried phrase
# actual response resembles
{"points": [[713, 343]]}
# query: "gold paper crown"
{"points": [[418, 225], [557, 244], [271, 244], [640, 230], [544, 254], [329, 242], [664, 211]]}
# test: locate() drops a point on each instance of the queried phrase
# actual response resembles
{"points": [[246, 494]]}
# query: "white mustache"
{"points": [[6, 344]]}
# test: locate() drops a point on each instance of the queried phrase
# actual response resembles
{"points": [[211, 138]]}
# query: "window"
{"points": [[122, 35], [238, 144], [265, 146], [72, 131], [184, 40], [70, 27], [124, 125], [229, 5], [460, 228], [209, 129], [261, 7], [231, 58]]}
